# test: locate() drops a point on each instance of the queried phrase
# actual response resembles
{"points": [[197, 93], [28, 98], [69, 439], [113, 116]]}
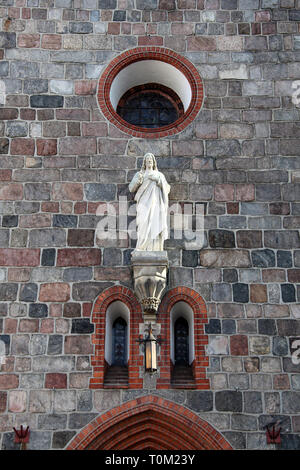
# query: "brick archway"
{"points": [[149, 422], [125, 295], [201, 362]]}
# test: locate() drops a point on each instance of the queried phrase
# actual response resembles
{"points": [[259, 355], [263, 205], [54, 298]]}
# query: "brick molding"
{"points": [[197, 304], [149, 421], [156, 54], [99, 364]]}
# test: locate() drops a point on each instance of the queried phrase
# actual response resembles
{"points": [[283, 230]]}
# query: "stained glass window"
{"points": [[150, 106]]}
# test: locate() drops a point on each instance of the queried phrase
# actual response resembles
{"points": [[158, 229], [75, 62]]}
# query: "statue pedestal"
{"points": [[150, 276]]}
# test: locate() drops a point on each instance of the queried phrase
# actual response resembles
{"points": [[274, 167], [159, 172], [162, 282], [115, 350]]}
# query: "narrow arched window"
{"points": [[181, 335], [182, 345], [119, 342]]}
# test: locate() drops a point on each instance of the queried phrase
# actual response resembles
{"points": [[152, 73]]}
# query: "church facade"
{"points": [[150, 302]]}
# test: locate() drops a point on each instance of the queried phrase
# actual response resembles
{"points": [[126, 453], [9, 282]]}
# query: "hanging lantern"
{"points": [[150, 352]]}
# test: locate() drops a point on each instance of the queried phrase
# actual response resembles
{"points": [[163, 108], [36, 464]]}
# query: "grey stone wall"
{"points": [[59, 158]]}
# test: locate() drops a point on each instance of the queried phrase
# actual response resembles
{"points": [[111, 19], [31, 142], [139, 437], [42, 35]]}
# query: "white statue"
{"points": [[151, 196]]}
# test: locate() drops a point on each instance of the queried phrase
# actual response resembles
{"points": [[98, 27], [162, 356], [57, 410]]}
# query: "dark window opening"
{"points": [[182, 373], [119, 340], [181, 342], [150, 106]]}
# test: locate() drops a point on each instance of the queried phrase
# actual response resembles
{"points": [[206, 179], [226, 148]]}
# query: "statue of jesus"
{"points": [[152, 191]]}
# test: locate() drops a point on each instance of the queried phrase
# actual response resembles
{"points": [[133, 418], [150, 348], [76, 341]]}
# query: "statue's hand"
{"points": [[154, 178], [141, 178]]}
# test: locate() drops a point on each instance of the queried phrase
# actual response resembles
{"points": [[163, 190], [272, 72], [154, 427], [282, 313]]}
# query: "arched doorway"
{"points": [[149, 423]]}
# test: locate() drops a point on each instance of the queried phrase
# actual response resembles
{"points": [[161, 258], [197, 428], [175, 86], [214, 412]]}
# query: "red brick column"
{"points": [[196, 302], [101, 305]]}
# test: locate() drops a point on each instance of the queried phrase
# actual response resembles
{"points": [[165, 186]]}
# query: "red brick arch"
{"points": [[149, 422], [197, 304], [101, 305]]}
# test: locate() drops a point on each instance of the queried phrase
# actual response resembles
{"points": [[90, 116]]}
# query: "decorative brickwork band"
{"points": [[99, 364], [201, 361], [156, 54], [149, 422]]}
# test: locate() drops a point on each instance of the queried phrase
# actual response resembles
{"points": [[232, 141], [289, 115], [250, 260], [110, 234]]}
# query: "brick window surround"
{"points": [[149, 422], [103, 301], [201, 361], [187, 69]]}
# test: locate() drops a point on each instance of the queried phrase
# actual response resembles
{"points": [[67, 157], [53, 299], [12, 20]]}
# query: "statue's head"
{"points": [[148, 158]]}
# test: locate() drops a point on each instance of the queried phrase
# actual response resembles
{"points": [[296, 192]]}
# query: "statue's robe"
{"points": [[152, 210]]}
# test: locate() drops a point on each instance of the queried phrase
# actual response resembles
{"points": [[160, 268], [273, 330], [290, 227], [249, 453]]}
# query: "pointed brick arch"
{"points": [[101, 305], [149, 422], [201, 362]]}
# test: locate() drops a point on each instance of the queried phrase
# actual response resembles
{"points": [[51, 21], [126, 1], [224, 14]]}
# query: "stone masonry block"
{"points": [[221, 292], [259, 345], [263, 258], [40, 401], [7, 40], [290, 402], [8, 291], [218, 345], [287, 239], [49, 363], [249, 239], [236, 131], [201, 43], [56, 380], [100, 192], [54, 292], [229, 43], [78, 257], [17, 401], [9, 381], [46, 101], [224, 258], [77, 146], [239, 345], [252, 364], [224, 192], [228, 400], [67, 191], [64, 400], [61, 438], [258, 293], [78, 344], [253, 402], [22, 146], [55, 344], [200, 400], [46, 147], [112, 4], [82, 326], [267, 326], [52, 421], [106, 399]]}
